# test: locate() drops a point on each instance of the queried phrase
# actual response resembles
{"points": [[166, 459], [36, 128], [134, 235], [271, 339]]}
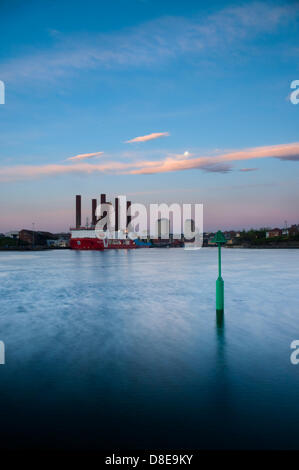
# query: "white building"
{"points": [[13, 234]]}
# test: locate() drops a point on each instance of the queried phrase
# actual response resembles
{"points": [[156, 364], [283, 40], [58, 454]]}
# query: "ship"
{"points": [[90, 238], [85, 238]]}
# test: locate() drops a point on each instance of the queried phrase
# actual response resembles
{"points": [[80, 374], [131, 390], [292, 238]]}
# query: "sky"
{"points": [[165, 102]]}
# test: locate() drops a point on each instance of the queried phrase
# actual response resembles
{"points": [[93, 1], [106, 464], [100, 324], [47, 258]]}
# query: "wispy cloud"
{"points": [[153, 42], [82, 156], [145, 138], [220, 163], [217, 163], [248, 169], [291, 158], [22, 172]]}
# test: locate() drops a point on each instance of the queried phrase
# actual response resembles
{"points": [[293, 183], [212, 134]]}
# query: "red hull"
{"points": [[86, 244], [100, 245]]}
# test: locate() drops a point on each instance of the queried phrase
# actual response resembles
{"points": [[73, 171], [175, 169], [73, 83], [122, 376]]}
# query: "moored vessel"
{"points": [[90, 238], [86, 239]]}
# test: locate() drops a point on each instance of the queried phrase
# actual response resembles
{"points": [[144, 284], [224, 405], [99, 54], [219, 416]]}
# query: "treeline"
{"points": [[10, 243], [258, 237]]}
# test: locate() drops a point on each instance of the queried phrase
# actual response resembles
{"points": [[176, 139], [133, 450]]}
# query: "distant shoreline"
{"points": [[240, 247], [264, 247], [32, 249], [272, 245]]}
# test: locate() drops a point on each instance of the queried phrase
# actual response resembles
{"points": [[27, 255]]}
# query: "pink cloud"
{"points": [[145, 138], [248, 169], [22, 172], [283, 152], [220, 163], [81, 156]]}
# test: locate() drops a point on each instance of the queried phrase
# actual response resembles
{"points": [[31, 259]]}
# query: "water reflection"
{"points": [[222, 369], [220, 338], [125, 345], [220, 320]]}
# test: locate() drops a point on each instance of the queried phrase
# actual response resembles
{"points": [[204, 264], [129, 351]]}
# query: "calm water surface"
{"points": [[122, 349]]}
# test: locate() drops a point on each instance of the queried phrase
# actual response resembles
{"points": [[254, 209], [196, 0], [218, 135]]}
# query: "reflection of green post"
{"points": [[219, 239]]}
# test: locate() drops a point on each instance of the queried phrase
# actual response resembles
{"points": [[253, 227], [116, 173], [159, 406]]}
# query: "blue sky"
{"points": [[85, 77]]}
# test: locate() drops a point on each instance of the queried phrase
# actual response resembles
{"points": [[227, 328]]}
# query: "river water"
{"points": [[122, 349]]}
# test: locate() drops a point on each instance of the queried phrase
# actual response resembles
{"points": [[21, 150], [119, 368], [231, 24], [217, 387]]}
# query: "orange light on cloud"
{"points": [[176, 162], [248, 169], [21, 172], [81, 156], [145, 138], [283, 152]]}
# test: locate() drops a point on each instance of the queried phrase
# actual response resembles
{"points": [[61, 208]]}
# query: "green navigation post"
{"points": [[220, 240]]}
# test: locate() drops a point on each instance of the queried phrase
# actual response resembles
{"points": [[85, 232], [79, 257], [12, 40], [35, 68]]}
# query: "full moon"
{"points": [[186, 153]]}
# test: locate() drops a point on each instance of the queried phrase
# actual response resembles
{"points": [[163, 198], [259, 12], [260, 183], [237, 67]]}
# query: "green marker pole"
{"points": [[219, 285], [219, 239]]}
